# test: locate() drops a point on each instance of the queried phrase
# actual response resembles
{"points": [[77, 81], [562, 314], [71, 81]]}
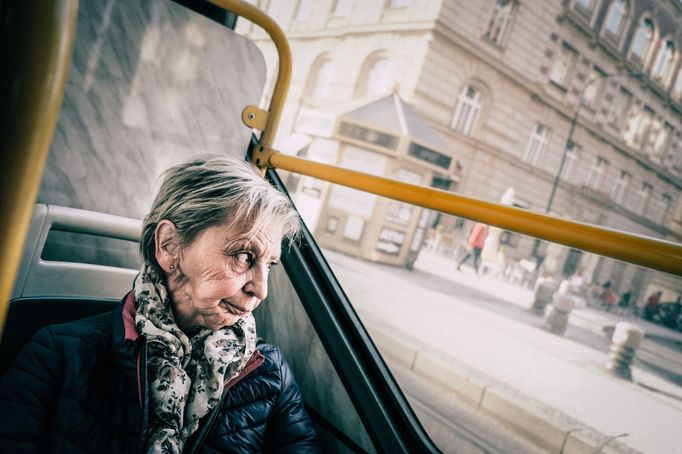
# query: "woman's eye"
{"points": [[243, 258], [271, 264]]}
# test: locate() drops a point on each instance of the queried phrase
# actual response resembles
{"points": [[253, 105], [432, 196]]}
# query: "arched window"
{"points": [[642, 40], [664, 60], [614, 20], [320, 78], [466, 112], [380, 78]]}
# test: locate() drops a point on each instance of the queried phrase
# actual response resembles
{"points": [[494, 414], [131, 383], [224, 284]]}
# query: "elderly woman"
{"points": [[178, 367]]}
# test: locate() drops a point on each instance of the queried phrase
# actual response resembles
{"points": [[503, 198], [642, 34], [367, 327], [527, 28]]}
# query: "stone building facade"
{"points": [[501, 81]]}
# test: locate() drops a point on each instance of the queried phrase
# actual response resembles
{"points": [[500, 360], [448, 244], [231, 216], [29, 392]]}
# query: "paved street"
{"points": [[482, 326]]}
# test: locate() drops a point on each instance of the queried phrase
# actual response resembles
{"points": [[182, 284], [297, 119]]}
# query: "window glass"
{"points": [[617, 13], [570, 163], [664, 60], [642, 40], [620, 187], [561, 67], [379, 79], [536, 144], [467, 110], [342, 8], [677, 88], [304, 9], [470, 127], [500, 17]]}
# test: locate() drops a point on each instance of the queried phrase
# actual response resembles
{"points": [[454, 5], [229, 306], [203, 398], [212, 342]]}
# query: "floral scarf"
{"points": [[187, 375]]}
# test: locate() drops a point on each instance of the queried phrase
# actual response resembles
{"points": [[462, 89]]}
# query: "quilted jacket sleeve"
{"points": [[27, 394], [290, 429]]}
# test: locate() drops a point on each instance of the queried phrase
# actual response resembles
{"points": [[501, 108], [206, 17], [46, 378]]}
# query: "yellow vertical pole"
{"points": [[36, 43]]}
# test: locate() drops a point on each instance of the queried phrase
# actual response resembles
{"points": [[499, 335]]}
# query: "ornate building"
{"points": [[574, 104]]}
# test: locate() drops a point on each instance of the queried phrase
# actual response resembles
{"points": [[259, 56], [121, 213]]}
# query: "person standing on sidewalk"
{"points": [[475, 242]]}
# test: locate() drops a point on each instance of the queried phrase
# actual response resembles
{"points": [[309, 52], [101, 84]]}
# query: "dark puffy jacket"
{"points": [[82, 387]]}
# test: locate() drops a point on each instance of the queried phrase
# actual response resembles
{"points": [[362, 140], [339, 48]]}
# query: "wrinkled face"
{"points": [[221, 276]]}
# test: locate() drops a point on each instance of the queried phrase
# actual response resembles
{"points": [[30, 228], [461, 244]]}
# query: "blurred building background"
{"points": [[479, 97]]}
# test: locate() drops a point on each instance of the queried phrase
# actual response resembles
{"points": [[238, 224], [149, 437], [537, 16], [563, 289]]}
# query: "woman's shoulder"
{"points": [[272, 356]]}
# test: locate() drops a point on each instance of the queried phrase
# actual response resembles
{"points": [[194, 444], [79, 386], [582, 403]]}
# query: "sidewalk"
{"points": [[549, 388]]}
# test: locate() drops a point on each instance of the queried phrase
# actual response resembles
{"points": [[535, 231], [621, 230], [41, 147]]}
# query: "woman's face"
{"points": [[221, 276]]}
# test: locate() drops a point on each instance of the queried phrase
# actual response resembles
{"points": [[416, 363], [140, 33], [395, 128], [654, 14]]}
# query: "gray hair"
{"points": [[214, 190]]}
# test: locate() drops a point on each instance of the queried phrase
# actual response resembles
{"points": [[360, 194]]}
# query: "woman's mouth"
{"points": [[233, 309]]}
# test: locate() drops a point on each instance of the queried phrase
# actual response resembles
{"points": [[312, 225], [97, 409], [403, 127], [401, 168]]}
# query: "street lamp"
{"points": [[569, 140], [539, 256]]}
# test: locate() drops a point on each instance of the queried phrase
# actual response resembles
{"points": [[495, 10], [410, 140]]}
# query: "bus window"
{"points": [[451, 96], [515, 356]]}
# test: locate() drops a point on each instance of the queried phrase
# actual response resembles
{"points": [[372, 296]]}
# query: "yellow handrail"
{"points": [[39, 63], [641, 250], [279, 93]]}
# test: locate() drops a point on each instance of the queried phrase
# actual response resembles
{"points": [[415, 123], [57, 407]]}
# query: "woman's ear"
{"points": [[166, 245]]}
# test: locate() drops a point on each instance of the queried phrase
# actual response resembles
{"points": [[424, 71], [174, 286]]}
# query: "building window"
{"points": [[342, 8], [498, 23], [585, 5], [659, 137], [637, 126], [319, 81], [304, 10], [378, 79], [564, 61], [620, 187], [570, 162], [617, 109], [674, 157], [536, 144], [642, 40], [595, 177], [593, 88], [466, 112], [664, 61], [661, 210], [616, 17], [677, 88], [642, 199]]}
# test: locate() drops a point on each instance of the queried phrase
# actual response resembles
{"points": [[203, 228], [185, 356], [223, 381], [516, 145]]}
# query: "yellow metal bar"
{"points": [[650, 252], [37, 46], [279, 94]]}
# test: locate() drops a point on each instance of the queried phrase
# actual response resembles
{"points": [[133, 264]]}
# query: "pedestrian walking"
{"points": [[475, 242]]}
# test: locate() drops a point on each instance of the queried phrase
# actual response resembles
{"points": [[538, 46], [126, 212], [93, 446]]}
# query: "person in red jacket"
{"points": [[475, 242]]}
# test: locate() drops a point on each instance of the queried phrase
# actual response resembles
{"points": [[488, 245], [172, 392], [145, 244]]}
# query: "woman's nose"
{"points": [[257, 285]]}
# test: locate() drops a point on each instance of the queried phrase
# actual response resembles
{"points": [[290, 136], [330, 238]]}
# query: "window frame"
{"points": [[467, 110], [503, 33], [532, 154]]}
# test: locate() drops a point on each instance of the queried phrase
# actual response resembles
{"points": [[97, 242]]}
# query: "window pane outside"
{"points": [[495, 121]]}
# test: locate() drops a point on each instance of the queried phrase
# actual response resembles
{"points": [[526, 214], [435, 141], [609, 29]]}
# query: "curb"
{"points": [[545, 427]]}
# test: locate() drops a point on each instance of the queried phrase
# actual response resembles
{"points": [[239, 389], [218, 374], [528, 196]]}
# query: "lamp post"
{"points": [[569, 140], [539, 256]]}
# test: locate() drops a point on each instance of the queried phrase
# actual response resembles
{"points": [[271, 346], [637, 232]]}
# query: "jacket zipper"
{"points": [[256, 360]]}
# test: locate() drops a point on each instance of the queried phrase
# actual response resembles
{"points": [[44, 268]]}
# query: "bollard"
{"points": [[626, 339], [557, 319], [544, 290]]}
